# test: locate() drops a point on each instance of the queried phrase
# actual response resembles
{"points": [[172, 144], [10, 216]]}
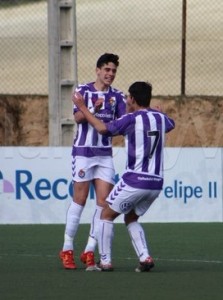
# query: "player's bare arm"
{"points": [[79, 117], [97, 124]]}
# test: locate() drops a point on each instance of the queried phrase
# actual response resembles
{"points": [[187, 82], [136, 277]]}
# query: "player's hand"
{"points": [[98, 104], [78, 99], [158, 107]]}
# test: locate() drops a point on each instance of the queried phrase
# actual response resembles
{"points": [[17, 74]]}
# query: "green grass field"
{"points": [[188, 258]]}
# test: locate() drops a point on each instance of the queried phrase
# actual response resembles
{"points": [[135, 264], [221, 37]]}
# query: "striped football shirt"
{"points": [[88, 142], [144, 132]]}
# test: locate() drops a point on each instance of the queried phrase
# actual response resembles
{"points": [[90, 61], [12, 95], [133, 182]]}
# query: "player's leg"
{"points": [[81, 180], [116, 205], [105, 237], [74, 212], [102, 189], [144, 199], [140, 246], [103, 183], [72, 223]]}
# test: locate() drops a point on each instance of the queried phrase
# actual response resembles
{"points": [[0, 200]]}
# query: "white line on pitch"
{"points": [[186, 260], [127, 258]]}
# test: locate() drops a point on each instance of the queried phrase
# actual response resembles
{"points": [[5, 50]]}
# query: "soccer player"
{"points": [[92, 157], [144, 130]]}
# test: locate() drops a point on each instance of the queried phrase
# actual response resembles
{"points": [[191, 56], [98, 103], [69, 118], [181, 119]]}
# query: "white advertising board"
{"points": [[36, 188]]}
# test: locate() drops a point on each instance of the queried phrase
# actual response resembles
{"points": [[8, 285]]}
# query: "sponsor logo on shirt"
{"points": [[149, 178], [105, 115]]}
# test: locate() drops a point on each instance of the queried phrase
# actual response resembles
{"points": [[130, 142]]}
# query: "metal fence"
{"points": [[146, 34]]}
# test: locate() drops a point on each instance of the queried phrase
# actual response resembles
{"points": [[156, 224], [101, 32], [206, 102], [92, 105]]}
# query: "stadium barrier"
{"points": [[36, 187]]}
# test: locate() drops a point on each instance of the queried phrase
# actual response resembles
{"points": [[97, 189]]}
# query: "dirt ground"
{"points": [[199, 121]]}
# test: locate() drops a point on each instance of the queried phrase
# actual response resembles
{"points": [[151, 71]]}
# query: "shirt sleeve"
{"points": [[169, 124], [120, 126], [121, 105]]}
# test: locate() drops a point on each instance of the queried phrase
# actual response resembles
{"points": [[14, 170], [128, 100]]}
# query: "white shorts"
{"points": [[89, 168], [124, 198]]}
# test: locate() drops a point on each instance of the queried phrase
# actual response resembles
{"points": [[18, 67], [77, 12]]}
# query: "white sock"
{"points": [[138, 239], [105, 236], [92, 239], [73, 219]]}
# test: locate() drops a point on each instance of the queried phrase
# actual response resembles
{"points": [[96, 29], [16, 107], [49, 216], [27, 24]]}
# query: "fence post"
{"points": [[62, 70], [183, 47]]}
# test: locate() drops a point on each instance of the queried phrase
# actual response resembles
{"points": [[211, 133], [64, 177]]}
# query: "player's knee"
{"points": [[101, 202], [130, 218], [109, 214], [80, 200]]}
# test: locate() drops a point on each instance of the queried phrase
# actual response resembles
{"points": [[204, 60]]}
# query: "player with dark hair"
{"points": [[107, 58], [92, 157], [144, 130]]}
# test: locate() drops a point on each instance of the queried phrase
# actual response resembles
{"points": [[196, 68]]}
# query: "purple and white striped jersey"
{"points": [[88, 142], [144, 132]]}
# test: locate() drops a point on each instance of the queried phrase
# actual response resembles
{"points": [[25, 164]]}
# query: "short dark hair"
{"points": [[141, 91], [107, 58]]}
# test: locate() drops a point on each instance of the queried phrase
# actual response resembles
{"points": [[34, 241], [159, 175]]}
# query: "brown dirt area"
{"points": [[199, 121]]}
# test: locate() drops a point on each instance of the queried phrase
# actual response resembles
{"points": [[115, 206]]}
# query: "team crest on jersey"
{"points": [[125, 206], [81, 173]]}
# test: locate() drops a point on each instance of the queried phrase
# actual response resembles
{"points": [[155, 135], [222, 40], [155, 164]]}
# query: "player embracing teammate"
{"points": [[144, 130]]}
